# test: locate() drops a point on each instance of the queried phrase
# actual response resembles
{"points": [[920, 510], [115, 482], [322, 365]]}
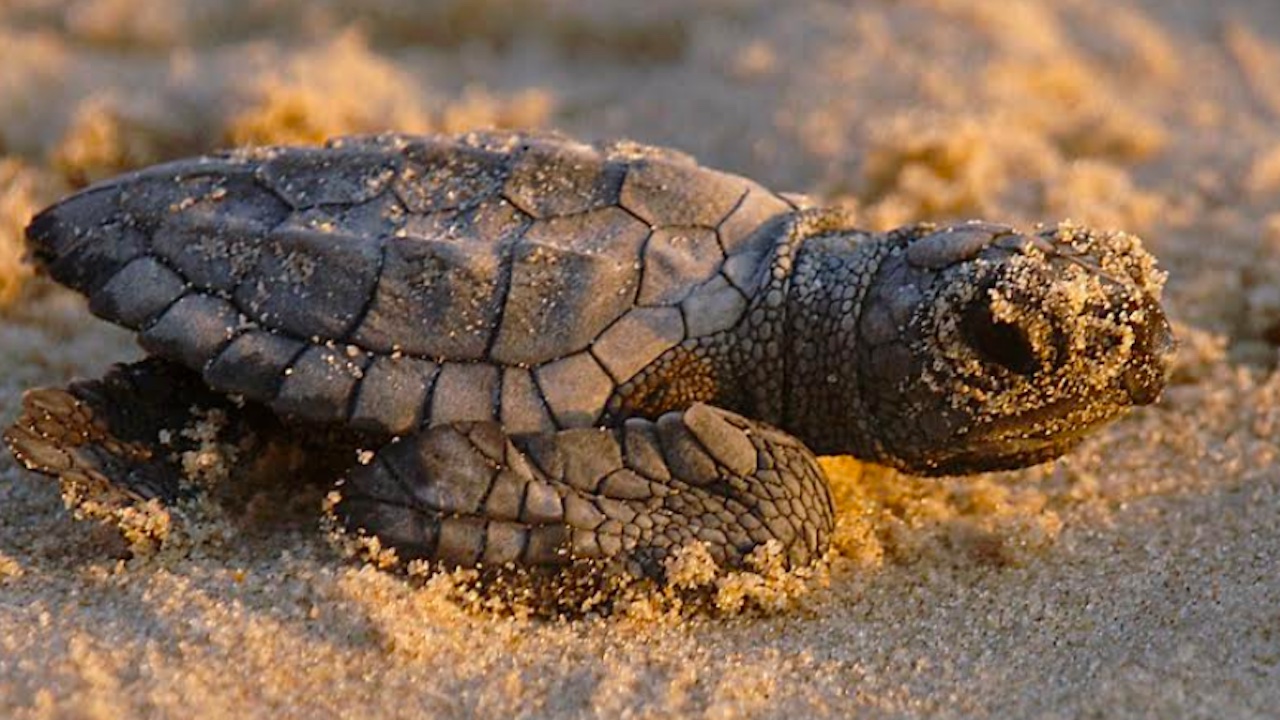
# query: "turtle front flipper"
{"points": [[150, 434], [625, 498]]}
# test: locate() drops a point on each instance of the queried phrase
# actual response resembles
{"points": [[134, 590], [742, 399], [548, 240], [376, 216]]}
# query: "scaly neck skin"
{"points": [[810, 387]]}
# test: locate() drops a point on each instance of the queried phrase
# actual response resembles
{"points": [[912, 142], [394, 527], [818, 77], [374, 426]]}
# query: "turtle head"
{"points": [[984, 349]]}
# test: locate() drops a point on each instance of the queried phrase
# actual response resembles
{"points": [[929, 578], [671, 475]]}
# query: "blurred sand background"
{"points": [[1139, 577]]}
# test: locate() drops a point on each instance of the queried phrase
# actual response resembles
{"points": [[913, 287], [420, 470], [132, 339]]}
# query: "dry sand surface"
{"points": [[1139, 577]]}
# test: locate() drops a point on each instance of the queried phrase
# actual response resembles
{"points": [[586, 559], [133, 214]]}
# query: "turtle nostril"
{"points": [[999, 342]]}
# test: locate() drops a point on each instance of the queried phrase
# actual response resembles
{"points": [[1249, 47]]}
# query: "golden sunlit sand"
{"points": [[1138, 577]]}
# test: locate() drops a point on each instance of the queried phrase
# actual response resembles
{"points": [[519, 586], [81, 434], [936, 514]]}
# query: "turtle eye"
{"points": [[997, 341]]}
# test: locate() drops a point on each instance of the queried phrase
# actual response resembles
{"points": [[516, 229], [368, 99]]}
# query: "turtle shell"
{"points": [[396, 281]]}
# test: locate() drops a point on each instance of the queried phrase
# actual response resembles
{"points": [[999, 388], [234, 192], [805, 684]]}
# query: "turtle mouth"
{"points": [[1012, 453], [1030, 438], [1003, 454]]}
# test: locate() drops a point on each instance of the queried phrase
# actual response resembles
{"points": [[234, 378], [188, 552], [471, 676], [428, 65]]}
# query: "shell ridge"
{"points": [[506, 269], [286, 370], [366, 362], [542, 397], [746, 192], [424, 412], [357, 319]]}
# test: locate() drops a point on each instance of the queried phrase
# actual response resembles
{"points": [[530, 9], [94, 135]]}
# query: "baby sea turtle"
{"points": [[550, 352]]}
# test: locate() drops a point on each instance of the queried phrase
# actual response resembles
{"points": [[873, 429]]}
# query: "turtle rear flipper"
{"points": [[145, 436], [625, 499]]}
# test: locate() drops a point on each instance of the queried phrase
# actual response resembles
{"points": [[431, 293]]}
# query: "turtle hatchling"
{"points": [[515, 350]]}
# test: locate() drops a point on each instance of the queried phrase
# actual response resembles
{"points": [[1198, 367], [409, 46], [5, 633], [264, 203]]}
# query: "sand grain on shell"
{"points": [[1137, 577]]}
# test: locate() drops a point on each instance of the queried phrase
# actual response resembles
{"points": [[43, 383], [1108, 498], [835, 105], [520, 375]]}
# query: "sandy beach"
{"points": [[1137, 577]]}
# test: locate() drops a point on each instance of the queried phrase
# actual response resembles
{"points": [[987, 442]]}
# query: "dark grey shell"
{"points": [[394, 281]]}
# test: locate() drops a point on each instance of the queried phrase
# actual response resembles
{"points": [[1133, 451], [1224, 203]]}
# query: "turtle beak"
{"points": [[1154, 352]]}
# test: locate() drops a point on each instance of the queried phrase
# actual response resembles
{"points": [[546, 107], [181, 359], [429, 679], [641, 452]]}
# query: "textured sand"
{"points": [[1140, 577]]}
